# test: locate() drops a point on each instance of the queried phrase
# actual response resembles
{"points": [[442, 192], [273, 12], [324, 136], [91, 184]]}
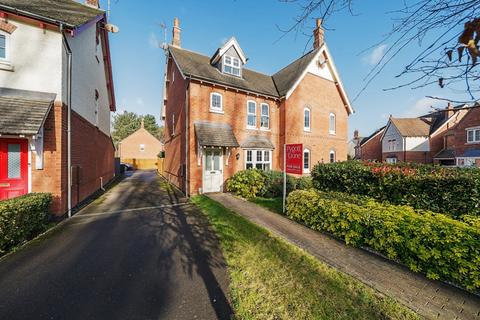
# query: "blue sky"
{"points": [[138, 62]]}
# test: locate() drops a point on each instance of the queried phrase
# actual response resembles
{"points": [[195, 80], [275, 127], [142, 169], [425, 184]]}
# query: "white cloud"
{"points": [[376, 55], [422, 106], [153, 41]]}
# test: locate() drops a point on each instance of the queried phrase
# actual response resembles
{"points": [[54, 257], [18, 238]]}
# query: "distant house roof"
{"points": [[198, 66], [286, 78], [215, 134], [69, 12], [366, 139], [411, 127], [23, 112]]}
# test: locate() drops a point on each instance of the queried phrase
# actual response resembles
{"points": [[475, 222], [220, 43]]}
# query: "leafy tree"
{"points": [[124, 124]]}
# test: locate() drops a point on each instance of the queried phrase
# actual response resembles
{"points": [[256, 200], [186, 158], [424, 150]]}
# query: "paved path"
{"points": [[431, 299], [136, 253]]}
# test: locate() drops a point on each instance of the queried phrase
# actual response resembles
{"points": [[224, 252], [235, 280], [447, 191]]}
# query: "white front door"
{"points": [[212, 170]]}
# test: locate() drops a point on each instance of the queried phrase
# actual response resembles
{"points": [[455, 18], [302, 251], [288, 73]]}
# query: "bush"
{"points": [[23, 218], [454, 191], [253, 183], [438, 246]]}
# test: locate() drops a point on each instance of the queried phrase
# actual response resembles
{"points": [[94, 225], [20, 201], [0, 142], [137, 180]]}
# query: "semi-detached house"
{"points": [[56, 96], [221, 117]]}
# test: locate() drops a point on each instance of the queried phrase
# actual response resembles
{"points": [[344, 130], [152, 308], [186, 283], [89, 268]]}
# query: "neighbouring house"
{"points": [[221, 117], [447, 137], [354, 146], [370, 148], [140, 149], [56, 96]]}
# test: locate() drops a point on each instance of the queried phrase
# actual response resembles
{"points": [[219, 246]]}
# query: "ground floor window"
{"points": [[306, 161], [259, 159], [332, 156], [392, 160], [468, 162]]}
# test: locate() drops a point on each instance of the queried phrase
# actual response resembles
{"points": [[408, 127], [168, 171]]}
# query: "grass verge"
{"points": [[272, 204], [272, 279]]}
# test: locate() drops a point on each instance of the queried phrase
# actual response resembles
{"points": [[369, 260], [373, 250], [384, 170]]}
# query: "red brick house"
{"points": [[56, 96], [448, 137], [221, 117]]}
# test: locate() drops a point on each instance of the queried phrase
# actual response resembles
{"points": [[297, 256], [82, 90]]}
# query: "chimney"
{"points": [[176, 33], [318, 35], [92, 3], [449, 110], [355, 134]]}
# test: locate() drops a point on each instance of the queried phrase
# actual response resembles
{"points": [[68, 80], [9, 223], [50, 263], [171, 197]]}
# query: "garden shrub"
{"points": [[454, 191], [253, 183], [23, 218], [434, 244]]}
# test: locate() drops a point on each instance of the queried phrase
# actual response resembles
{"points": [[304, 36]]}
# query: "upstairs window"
{"points": [[306, 119], [251, 114], [4, 39], [332, 124], [265, 116], [231, 65], [473, 135], [216, 102]]}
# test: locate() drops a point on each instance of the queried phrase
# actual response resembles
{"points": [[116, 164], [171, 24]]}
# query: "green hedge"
{"points": [[436, 245], [23, 218], [453, 191], [253, 183]]}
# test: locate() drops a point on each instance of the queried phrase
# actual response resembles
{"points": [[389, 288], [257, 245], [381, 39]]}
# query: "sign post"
{"points": [[292, 163]]}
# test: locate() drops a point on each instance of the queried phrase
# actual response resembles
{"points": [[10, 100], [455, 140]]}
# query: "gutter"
{"points": [[37, 17], [69, 120]]}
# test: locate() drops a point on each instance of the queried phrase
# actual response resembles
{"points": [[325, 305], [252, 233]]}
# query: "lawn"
{"points": [[272, 279], [272, 204]]}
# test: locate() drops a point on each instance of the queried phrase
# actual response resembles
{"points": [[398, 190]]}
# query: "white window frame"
{"points": [[307, 168], [173, 125], [231, 65], [252, 114], [474, 130], [309, 127], [334, 129], [255, 161], [334, 156], [215, 109], [7, 47], [392, 160], [263, 116], [142, 147]]}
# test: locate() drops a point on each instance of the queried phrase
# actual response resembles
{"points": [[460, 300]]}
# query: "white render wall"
{"points": [[36, 57], [88, 75], [417, 144], [392, 134]]}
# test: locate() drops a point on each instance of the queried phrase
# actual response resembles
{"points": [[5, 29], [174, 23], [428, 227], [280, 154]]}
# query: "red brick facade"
{"points": [[286, 124], [92, 159], [371, 150]]}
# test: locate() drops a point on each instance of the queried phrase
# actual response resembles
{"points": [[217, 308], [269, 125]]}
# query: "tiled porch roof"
{"points": [[257, 142], [445, 154], [214, 134]]}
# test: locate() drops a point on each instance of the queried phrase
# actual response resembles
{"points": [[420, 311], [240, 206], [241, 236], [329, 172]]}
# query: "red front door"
{"points": [[13, 168]]}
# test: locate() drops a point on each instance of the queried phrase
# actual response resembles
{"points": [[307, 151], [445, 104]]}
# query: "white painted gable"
{"points": [[319, 67]]}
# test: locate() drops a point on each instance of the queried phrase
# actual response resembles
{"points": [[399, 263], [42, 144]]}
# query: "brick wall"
{"points": [[52, 178], [471, 119], [409, 156], [129, 148], [372, 149]]}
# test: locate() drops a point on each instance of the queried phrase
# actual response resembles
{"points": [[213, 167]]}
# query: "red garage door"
{"points": [[13, 168]]}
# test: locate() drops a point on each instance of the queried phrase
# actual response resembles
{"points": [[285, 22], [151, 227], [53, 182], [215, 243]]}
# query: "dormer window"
{"points": [[231, 65]]}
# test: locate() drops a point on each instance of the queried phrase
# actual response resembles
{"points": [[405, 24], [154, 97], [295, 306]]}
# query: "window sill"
{"points": [[265, 129], [6, 65], [252, 128], [307, 130], [216, 111], [332, 133], [472, 142]]}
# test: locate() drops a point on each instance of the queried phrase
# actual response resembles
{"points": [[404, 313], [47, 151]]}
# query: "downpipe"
{"points": [[68, 50]]}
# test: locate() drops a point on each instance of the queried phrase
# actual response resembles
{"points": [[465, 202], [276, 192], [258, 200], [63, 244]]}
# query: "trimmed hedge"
{"points": [[454, 191], [436, 245], [253, 183], [23, 218]]}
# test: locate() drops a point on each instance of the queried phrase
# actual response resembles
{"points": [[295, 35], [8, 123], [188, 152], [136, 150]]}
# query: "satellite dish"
{"points": [[111, 28]]}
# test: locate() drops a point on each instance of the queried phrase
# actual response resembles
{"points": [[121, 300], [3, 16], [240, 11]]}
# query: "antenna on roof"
{"points": [[164, 44]]}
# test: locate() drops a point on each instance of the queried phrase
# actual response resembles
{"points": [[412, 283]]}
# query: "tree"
{"points": [[124, 124], [448, 32]]}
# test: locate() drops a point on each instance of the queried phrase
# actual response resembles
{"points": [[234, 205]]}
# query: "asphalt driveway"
{"points": [[139, 252]]}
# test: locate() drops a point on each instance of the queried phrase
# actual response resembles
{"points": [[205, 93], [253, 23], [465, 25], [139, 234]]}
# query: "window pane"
{"points": [[259, 155], [264, 110], [13, 161], [208, 162], [236, 62], [266, 156], [252, 107], [252, 120], [216, 160], [228, 69], [2, 53], [236, 71], [332, 122], [266, 166], [2, 41], [258, 166], [249, 165], [332, 156], [264, 123], [470, 136], [228, 60], [307, 119], [3, 44], [306, 160], [249, 155], [477, 135], [216, 101]]}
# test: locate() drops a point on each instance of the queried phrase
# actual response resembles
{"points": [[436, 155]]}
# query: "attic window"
{"points": [[231, 65]]}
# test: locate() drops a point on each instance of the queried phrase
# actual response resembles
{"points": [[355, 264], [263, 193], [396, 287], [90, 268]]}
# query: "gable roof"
{"points": [[286, 77], [411, 127], [366, 139], [198, 66], [68, 12], [232, 42]]}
